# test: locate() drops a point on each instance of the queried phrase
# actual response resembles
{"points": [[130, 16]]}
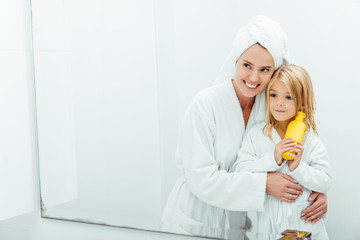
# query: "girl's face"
{"points": [[254, 69], [282, 106]]}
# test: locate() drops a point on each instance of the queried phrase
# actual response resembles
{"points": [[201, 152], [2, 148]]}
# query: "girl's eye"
{"points": [[272, 95], [288, 97]]}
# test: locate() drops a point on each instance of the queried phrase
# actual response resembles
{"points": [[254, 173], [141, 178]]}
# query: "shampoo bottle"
{"points": [[295, 130]]}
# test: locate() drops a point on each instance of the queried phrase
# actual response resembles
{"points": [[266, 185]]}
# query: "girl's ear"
{"points": [[301, 108]]}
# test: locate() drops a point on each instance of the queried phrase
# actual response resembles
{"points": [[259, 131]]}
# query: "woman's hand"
{"points": [[298, 149], [317, 209], [282, 187], [284, 145]]}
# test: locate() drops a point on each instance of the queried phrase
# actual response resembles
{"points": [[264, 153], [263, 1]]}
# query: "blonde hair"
{"points": [[300, 87]]}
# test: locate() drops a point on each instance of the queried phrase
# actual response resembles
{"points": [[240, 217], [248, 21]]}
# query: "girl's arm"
{"points": [[278, 185], [314, 173], [248, 159]]}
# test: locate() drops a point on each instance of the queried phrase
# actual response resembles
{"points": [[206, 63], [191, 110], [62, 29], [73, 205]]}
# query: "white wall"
{"points": [[323, 38]]}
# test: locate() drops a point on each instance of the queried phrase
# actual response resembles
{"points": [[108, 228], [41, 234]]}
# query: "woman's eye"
{"points": [[246, 65], [288, 97], [264, 70]]}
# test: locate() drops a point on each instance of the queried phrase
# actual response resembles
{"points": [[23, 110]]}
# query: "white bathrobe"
{"points": [[313, 173], [210, 137]]}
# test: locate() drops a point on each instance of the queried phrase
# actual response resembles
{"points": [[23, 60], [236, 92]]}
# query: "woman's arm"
{"points": [[196, 157], [317, 209], [283, 187]]}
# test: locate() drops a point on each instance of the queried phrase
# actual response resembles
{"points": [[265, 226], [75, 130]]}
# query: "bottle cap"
{"points": [[300, 116]]}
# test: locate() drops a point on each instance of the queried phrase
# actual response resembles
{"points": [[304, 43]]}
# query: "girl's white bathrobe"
{"points": [[313, 173], [208, 200]]}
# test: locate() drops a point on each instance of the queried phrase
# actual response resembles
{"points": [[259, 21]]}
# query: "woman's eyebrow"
{"points": [[253, 64], [248, 62]]}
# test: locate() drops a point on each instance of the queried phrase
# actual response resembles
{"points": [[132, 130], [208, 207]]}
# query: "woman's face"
{"points": [[282, 105], [254, 69]]}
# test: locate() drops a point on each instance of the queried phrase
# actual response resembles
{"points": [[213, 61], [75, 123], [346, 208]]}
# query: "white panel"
{"points": [[98, 111], [17, 139], [17, 142], [56, 135], [15, 25], [203, 33], [168, 104], [31, 227]]}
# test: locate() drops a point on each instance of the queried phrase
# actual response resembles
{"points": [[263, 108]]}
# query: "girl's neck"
{"points": [[281, 128]]}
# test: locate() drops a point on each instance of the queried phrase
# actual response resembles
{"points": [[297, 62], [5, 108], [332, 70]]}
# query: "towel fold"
{"points": [[260, 29]]}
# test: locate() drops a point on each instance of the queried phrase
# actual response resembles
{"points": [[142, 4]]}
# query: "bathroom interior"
{"points": [[93, 92]]}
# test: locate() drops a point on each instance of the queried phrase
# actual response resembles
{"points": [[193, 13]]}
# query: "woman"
{"points": [[209, 199]]}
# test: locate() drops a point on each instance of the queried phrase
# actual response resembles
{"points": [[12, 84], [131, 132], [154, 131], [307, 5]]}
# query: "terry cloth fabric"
{"points": [[262, 30]]}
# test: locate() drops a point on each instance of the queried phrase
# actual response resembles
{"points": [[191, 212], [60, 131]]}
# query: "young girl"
{"points": [[289, 91]]}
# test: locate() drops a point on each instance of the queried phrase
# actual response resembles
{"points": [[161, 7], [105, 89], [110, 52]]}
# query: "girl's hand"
{"points": [[284, 145], [293, 164]]}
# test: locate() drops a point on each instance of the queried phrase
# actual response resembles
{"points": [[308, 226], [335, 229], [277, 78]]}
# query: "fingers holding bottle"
{"points": [[296, 154], [284, 145]]}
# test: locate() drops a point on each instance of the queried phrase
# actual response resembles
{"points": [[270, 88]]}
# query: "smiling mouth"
{"points": [[280, 111], [250, 85]]}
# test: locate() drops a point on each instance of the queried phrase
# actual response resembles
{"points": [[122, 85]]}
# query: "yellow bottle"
{"points": [[295, 130]]}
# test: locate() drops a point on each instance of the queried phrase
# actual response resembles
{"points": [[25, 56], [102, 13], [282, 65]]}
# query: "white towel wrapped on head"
{"points": [[260, 29]]}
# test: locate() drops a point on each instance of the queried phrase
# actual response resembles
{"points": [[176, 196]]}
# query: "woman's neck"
{"points": [[245, 102]]}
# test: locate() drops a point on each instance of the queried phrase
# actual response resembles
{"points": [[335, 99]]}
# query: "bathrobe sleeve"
{"points": [[314, 173], [248, 159], [220, 188]]}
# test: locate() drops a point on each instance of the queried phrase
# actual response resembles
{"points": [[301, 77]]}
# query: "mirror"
{"points": [[98, 111], [114, 78]]}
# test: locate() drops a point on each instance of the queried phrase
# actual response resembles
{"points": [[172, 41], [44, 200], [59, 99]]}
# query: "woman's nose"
{"points": [[254, 77]]}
